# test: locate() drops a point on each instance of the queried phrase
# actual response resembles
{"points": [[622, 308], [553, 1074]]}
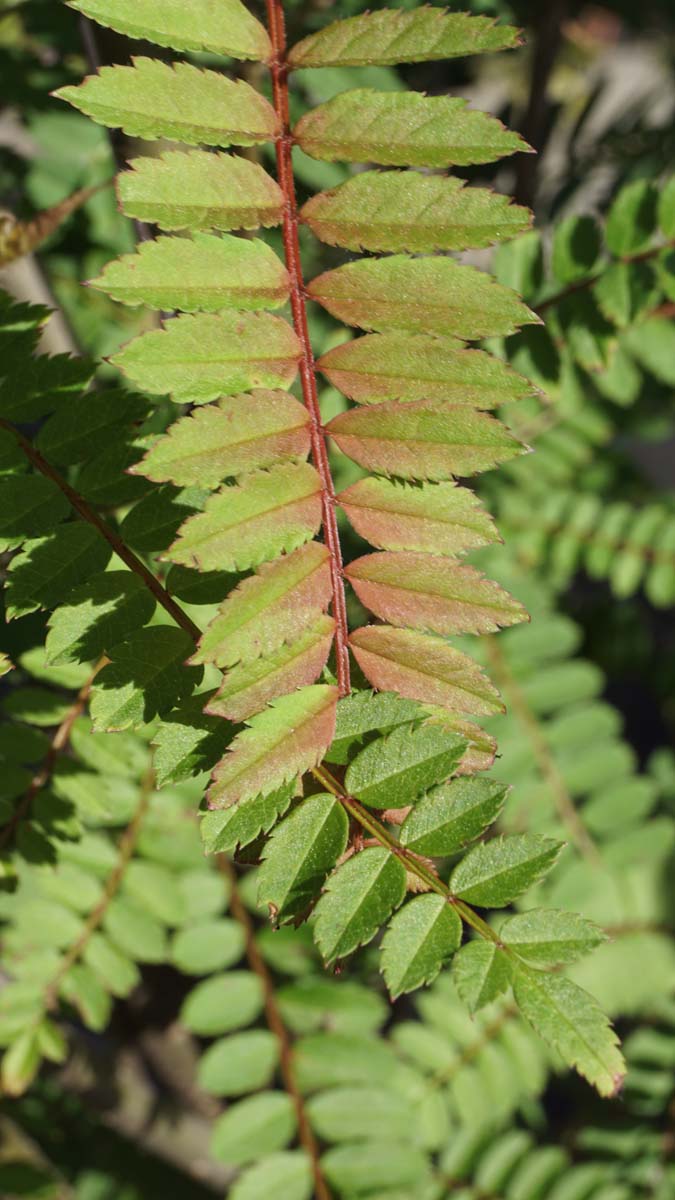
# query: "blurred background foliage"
{"points": [[470, 1109]]}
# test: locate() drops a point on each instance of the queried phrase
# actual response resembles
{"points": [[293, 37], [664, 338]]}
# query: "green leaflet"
{"points": [[494, 873], [365, 712], [419, 940], [568, 1019], [390, 37], [631, 221], [402, 210], [234, 436], [145, 678], [403, 129], [395, 770], [576, 248], [223, 1003], [546, 937], [438, 518], [481, 972], [453, 815], [240, 1063], [288, 738], [48, 568], [268, 513], [198, 190], [288, 1172], [399, 366], [29, 507], [248, 687], [152, 99], [227, 829], [421, 295], [199, 358], [422, 439], [359, 898], [423, 668], [254, 1126], [223, 26], [205, 273], [68, 435], [419, 591], [269, 608], [299, 855], [188, 741]]}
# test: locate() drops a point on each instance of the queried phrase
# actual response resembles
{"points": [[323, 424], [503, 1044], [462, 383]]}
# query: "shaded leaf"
{"points": [[402, 210], [49, 567], [199, 358], [153, 99], [423, 668], [224, 830], [252, 521], [145, 678], [420, 939], [188, 742], [96, 615], [18, 238], [288, 738], [198, 190], [30, 506], [359, 898], [631, 220], [226, 439]]}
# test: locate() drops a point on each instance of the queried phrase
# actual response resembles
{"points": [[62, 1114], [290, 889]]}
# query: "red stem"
{"points": [[279, 71]]}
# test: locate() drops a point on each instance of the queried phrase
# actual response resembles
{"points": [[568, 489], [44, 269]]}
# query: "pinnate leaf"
{"points": [[399, 366], [153, 99], [423, 668], [222, 26], [248, 687], [494, 873], [392, 36], [229, 438], [402, 210], [437, 518], [569, 1020], [403, 129], [419, 940], [288, 738], [199, 190], [395, 770], [269, 608], [421, 295], [268, 513], [422, 439], [419, 591], [145, 678], [199, 358], [299, 855], [453, 815], [547, 937], [96, 615], [205, 273], [360, 896], [481, 972]]}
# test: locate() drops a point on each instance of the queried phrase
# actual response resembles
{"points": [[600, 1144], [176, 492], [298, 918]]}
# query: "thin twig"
{"points": [[126, 847], [279, 71], [84, 510], [590, 280], [546, 763], [276, 1025]]}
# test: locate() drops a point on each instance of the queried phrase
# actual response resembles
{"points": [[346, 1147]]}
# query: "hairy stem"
{"points": [[545, 761], [126, 847], [58, 743], [279, 71], [276, 1025], [84, 510]]}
